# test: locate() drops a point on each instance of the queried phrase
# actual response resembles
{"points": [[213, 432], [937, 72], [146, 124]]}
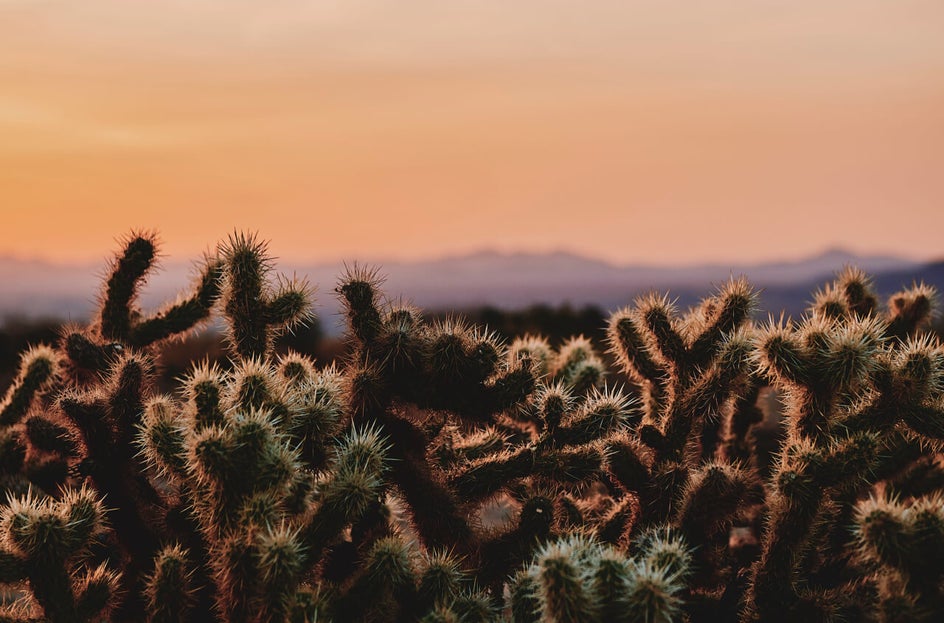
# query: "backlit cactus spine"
{"points": [[905, 542], [119, 322], [577, 579], [863, 401], [402, 372], [33, 449], [255, 310], [694, 372], [252, 454], [64, 424], [271, 489], [264, 517], [44, 542], [505, 434]]}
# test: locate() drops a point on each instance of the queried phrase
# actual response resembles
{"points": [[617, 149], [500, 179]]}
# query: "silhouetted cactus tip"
{"points": [[257, 310], [39, 370], [437, 473]]}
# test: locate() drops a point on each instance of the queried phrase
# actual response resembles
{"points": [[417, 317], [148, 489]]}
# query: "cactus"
{"points": [[119, 321], [905, 543], [438, 473], [44, 542], [32, 448], [577, 579], [863, 402], [255, 311]]}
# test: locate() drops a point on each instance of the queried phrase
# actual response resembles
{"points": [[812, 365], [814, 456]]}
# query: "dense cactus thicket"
{"points": [[439, 474]]}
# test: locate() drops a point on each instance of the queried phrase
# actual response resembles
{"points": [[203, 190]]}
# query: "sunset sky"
{"points": [[662, 131]]}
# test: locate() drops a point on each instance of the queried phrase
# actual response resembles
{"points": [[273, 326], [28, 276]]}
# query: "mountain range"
{"points": [[508, 281]]}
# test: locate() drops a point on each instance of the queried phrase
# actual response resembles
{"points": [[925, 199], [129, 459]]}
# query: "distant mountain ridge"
{"points": [[507, 280]]}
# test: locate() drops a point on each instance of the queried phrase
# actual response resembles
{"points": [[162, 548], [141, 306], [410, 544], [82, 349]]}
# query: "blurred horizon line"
{"points": [[841, 252]]}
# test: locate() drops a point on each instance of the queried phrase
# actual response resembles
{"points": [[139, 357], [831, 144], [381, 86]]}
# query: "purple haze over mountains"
{"points": [[508, 281]]}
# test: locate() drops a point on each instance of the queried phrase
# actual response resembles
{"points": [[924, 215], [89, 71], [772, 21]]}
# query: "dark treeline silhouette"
{"points": [[555, 323]]}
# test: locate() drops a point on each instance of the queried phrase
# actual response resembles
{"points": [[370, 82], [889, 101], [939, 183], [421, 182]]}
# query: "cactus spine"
{"points": [[438, 473]]}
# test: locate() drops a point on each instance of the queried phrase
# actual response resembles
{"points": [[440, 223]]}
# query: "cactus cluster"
{"points": [[438, 473], [865, 413]]}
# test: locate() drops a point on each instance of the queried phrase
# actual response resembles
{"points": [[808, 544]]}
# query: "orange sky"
{"points": [[665, 131]]}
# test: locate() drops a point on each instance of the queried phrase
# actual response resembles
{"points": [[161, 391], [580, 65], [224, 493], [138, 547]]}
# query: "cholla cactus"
{"points": [[577, 365], [577, 579], [690, 367], [694, 372], [437, 474], [82, 408], [255, 311], [33, 448], [43, 542], [906, 543], [506, 435], [863, 402], [264, 517], [564, 453], [401, 369], [120, 323], [39, 369]]}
